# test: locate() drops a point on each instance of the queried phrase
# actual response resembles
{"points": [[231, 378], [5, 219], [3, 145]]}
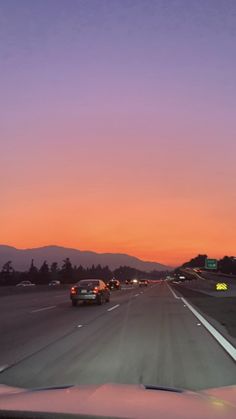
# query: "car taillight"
{"points": [[95, 290], [73, 290]]}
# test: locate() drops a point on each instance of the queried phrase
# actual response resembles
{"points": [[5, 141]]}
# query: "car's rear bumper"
{"points": [[88, 297]]}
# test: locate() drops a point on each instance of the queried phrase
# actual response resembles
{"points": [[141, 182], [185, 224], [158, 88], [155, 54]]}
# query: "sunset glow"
{"points": [[118, 128]]}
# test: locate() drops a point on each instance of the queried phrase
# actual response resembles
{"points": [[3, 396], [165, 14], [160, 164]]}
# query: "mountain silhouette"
{"points": [[21, 258]]}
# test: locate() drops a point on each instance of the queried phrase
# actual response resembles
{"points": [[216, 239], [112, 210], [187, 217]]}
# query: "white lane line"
{"points": [[42, 309], [136, 295], [176, 296], [230, 349], [80, 325], [113, 308], [3, 367]]}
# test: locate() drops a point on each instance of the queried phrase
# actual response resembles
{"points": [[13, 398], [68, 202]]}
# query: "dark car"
{"points": [[143, 282], [94, 290], [114, 284]]}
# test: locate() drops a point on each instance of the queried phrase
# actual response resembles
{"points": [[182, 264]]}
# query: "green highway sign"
{"points": [[210, 263]]}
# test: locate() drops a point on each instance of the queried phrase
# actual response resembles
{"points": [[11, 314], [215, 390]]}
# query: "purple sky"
{"points": [[128, 107]]}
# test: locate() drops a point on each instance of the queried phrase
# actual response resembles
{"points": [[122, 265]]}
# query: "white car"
{"points": [[25, 284]]}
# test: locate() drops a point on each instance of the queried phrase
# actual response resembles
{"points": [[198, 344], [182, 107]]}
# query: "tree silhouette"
{"points": [[33, 272], [67, 272], [7, 268], [7, 273], [44, 273], [197, 262], [227, 265], [54, 270]]}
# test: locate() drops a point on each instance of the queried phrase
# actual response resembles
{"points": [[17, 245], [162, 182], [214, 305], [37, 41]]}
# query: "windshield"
{"points": [[118, 194]]}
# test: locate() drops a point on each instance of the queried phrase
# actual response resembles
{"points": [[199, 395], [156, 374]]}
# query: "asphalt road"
{"points": [[142, 336]]}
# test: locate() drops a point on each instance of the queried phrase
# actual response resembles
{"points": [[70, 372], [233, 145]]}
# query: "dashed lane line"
{"points": [[42, 309], [113, 308], [3, 367]]}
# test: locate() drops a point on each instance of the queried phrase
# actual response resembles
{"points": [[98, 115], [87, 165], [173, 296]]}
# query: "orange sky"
{"points": [[156, 210], [118, 129]]}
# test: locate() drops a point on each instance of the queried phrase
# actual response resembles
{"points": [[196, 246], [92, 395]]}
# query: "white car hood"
{"points": [[123, 401]]}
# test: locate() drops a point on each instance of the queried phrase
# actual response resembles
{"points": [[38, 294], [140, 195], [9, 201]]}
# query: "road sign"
{"points": [[210, 263], [221, 286]]}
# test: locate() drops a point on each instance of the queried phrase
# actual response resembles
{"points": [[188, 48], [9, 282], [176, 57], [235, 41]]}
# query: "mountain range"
{"points": [[21, 258]]}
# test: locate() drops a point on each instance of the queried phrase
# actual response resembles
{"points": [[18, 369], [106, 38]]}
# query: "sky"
{"points": [[117, 126]]}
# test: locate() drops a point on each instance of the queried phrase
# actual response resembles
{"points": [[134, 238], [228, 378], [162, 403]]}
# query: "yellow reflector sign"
{"points": [[221, 286]]}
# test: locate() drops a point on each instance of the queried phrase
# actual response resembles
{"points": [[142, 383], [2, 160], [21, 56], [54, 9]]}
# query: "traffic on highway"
{"points": [[141, 339]]}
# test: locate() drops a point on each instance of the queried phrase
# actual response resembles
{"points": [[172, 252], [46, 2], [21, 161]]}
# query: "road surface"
{"points": [[144, 335]]}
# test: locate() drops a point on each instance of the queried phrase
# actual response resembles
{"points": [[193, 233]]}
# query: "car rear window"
{"points": [[88, 283]]}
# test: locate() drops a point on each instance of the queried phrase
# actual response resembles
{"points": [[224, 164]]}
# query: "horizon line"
{"points": [[90, 251]]}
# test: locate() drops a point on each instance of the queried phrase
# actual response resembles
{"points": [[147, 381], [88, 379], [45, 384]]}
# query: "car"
{"points": [[25, 284], [134, 281], [114, 284], [90, 290], [116, 400], [54, 283], [143, 283]]}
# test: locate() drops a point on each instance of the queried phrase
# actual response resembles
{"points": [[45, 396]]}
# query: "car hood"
{"points": [[122, 401]]}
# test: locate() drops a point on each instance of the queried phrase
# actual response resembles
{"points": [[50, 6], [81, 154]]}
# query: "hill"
{"points": [[21, 258]]}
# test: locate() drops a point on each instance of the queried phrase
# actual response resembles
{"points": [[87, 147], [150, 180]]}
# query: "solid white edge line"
{"points": [[3, 367], [220, 339], [113, 308], [42, 309], [176, 296]]}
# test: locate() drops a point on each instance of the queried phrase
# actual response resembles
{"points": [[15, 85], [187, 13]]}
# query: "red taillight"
{"points": [[95, 290], [73, 290]]}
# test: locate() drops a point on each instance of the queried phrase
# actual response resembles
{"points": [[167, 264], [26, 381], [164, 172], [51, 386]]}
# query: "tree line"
{"points": [[68, 273], [225, 265]]}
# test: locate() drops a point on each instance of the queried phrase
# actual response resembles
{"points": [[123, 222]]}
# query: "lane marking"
{"points": [[113, 308], [80, 325], [230, 349], [175, 295], [136, 295], [3, 367], [42, 309]]}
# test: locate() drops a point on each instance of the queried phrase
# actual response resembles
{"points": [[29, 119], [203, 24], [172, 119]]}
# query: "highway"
{"points": [[144, 335]]}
